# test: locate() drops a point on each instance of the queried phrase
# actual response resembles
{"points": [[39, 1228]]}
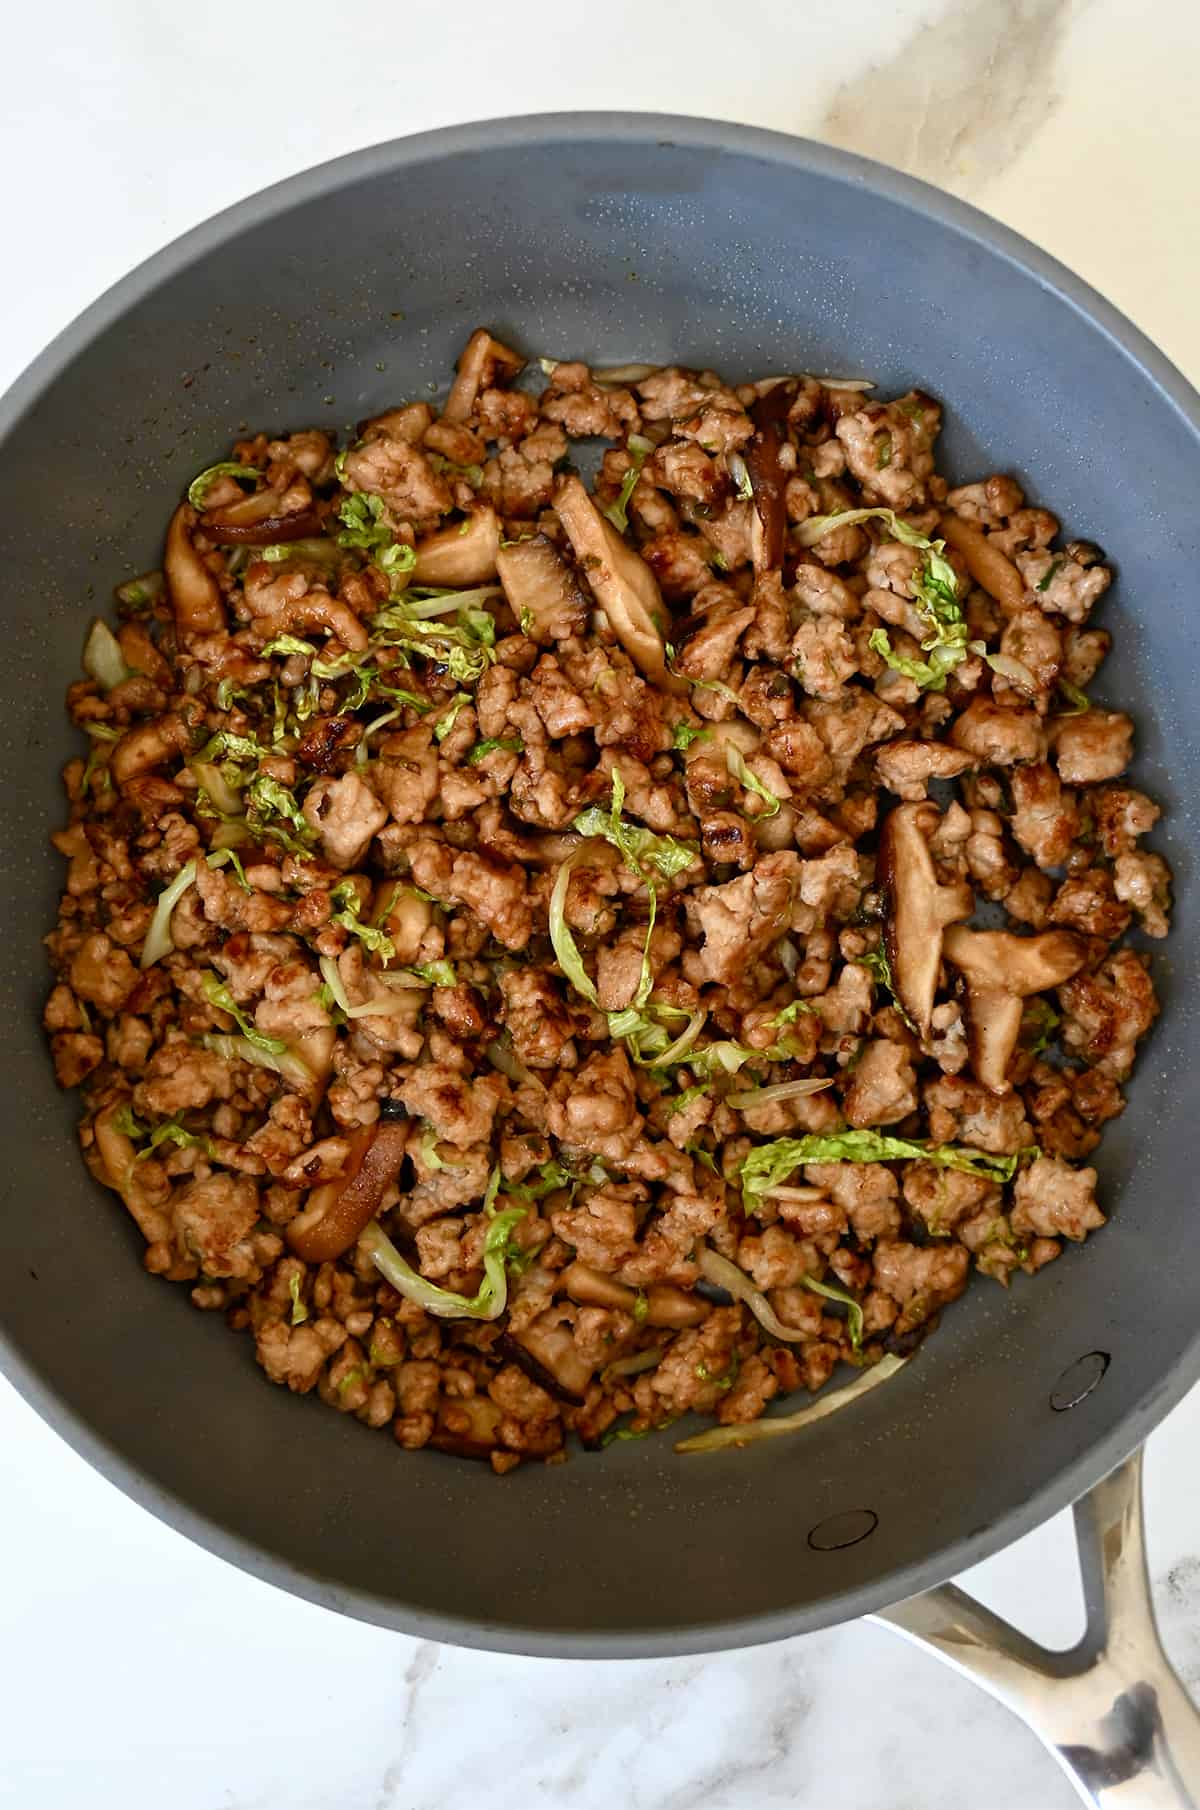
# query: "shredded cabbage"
{"points": [[267, 798], [684, 734], [790, 1013], [103, 660], [378, 942], [934, 585], [217, 993], [854, 1312], [649, 1044], [566, 949], [286, 1063], [511, 744], [445, 724], [226, 857], [736, 764], [288, 644], [226, 468], [728, 1276], [224, 745], [880, 969], [364, 528], [639, 450], [337, 992], [158, 938], [167, 1131], [490, 1301], [637, 846], [1078, 700], [782, 1090], [778, 1425], [774, 1162], [465, 650]]}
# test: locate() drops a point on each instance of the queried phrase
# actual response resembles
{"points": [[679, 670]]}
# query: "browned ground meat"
{"points": [[492, 945]]}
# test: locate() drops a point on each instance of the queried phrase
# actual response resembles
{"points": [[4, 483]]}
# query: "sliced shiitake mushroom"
{"points": [[265, 517], [119, 1169], [542, 591], [463, 554], [768, 479], [990, 568], [482, 358], [194, 592], [1001, 971], [663, 1305], [339, 1211], [918, 908], [550, 1342], [467, 1427], [624, 585]]}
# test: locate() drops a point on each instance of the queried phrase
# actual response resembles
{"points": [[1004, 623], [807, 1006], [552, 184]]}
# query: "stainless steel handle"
{"points": [[1111, 1710]]}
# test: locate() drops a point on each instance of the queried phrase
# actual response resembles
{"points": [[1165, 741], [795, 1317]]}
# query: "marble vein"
{"points": [[961, 98]]}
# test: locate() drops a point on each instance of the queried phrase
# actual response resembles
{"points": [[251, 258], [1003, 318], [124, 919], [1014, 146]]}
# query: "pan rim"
{"points": [[915, 198]]}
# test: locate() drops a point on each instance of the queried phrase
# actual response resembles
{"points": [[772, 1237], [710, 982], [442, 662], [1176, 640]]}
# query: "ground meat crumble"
{"points": [[565, 892]]}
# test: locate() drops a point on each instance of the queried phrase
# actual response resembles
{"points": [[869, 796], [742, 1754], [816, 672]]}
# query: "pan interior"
{"points": [[322, 303]]}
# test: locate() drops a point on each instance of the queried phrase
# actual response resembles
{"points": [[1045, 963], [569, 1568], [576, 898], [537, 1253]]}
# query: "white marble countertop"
{"points": [[135, 1670]]}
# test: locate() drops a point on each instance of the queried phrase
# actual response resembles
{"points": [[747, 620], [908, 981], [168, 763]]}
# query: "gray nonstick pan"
{"points": [[617, 237]]}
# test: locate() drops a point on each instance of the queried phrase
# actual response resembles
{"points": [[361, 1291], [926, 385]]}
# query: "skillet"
{"points": [[615, 237]]}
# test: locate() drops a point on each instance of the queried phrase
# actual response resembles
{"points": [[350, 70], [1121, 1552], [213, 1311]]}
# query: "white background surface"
{"points": [[135, 1671]]}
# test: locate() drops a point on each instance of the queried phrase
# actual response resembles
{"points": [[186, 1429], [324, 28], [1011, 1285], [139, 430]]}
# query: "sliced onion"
{"points": [[102, 657], [783, 1090], [789, 958], [727, 1275], [158, 938], [799, 1195], [716, 1439]]}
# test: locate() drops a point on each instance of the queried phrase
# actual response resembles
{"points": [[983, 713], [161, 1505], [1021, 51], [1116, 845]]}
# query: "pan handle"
{"points": [[1111, 1709]]}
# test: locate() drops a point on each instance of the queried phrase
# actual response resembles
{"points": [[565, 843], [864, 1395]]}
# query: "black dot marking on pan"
{"points": [[846, 1529], [1078, 1380]]}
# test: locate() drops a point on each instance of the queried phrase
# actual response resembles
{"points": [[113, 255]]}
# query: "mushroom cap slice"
{"points": [[990, 568], [464, 554], [768, 479], [1001, 971], [195, 593], [482, 357], [542, 590], [264, 518], [918, 908], [623, 583], [339, 1211]]}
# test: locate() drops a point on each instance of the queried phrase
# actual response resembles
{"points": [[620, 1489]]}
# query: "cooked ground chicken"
{"points": [[493, 911]]}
